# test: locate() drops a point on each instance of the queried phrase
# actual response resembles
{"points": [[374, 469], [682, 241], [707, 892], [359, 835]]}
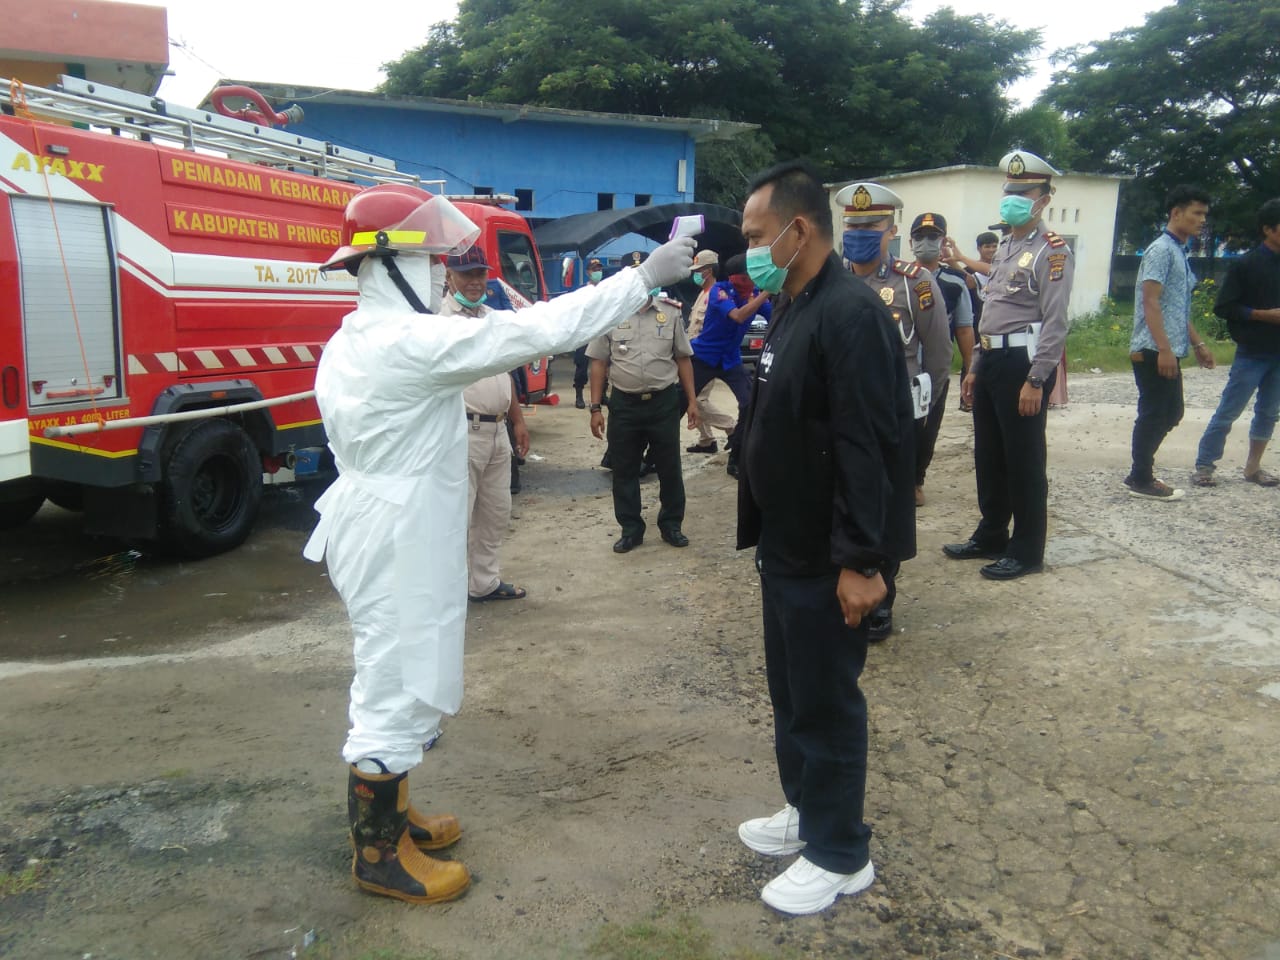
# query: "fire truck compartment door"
{"points": [[15, 450], [67, 260]]}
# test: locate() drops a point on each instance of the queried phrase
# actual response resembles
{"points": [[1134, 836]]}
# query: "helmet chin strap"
{"points": [[403, 285]]}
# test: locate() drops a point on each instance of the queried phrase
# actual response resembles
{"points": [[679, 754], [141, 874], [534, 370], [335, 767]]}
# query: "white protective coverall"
{"points": [[394, 523]]}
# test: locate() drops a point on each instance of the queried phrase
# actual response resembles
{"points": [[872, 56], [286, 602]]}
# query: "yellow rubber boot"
{"points": [[386, 860]]}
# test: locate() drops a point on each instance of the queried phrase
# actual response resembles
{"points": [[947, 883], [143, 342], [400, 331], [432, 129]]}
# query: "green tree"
{"points": [[1193, 95], [855, 87]]}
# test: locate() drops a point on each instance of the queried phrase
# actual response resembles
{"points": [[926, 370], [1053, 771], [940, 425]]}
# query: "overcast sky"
{"points": [[325, 43]]}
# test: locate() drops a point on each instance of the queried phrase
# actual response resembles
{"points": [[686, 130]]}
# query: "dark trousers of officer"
{"points": [[1159, 411], [736, 379], [927, 432], [813, 662], [633, 423], [1009, 458], [581, 367]]}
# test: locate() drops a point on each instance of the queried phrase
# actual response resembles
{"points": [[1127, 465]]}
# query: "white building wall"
{"points": [[1083, 211]]}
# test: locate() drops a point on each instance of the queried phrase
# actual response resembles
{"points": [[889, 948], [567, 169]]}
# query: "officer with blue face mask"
{"points": [[920, 319], [1021, 336]]}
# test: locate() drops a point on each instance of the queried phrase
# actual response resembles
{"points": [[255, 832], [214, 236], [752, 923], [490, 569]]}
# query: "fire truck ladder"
{"points": [[126, 113]]}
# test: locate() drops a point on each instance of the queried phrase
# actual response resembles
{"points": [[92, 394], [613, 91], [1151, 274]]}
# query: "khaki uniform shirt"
{"points": [[492, 395], [1030, 283], [920, 314], [642, 350], [698, 313]]}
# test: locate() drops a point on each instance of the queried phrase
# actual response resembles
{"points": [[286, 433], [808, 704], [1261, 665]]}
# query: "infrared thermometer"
{"points": [[689, 226]]}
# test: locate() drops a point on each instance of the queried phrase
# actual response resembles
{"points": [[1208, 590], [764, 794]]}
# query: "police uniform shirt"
{"points": [[642, 350], [492, 395], [1030, 283], [919, 314]]}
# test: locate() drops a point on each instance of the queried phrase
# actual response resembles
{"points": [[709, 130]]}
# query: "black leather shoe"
{"points": [[711, 447], [675, 538], [579, 402], [972, 550], [731, 468], [880, 625], [1007, 568], [627, 544]]}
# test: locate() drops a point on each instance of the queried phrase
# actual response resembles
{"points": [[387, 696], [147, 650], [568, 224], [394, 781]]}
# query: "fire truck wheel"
{"points": [[211, 490], [14, 513], [68, 496]]}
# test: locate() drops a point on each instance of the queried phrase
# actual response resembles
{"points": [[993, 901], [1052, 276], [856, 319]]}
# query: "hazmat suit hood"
{"points": [[424, 274]]}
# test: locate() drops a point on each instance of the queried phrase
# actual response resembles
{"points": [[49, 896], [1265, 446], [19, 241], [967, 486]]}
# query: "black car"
{"points": [[753, 340]]}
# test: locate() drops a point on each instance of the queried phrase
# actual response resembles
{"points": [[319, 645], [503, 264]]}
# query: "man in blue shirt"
{"points": [[1249, 301], [717, 350], [1162, 335]]}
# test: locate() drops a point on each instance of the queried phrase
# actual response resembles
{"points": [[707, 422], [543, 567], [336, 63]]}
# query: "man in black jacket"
{"points": [[827, 495], [1250, 303]]}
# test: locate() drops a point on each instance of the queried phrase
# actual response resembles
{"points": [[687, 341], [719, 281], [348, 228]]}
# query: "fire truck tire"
{"points": [[68, 496], [211, 490], [14, 513]]}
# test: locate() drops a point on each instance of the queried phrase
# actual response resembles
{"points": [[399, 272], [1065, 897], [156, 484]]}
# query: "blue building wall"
{"points": [[566, 165]]}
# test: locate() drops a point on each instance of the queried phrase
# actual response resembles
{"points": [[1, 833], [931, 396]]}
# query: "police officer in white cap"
{"points": [[1021, 335], [919, 314]]}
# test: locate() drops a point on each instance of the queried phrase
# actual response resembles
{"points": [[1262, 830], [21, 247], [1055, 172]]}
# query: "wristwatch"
{"points": [[869, 572], [1036, 383], [594, 408]]}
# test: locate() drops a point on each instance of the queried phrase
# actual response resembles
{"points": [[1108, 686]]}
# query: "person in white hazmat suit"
{"points": [[393, 525]]}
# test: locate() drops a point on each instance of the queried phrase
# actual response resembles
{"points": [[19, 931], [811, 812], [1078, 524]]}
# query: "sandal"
{"points": [[1262, 478], [503, 591]]}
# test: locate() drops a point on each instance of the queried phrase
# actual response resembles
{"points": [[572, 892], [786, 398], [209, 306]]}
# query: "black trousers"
{"points": [[927, 432], [633, 424], [1159, 411], [581, 367], [736, 379], [1009, 458], [813, 661]]}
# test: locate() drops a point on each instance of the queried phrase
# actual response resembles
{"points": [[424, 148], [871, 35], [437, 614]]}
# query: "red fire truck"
{"points": [[162, 311]]}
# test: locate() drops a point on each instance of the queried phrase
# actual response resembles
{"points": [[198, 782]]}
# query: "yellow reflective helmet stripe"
{"points": [[370, 237]]}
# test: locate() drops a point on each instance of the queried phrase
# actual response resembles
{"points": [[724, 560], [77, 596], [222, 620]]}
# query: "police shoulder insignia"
{"points": [[924, 294], [1054, 240], [906, 269]]}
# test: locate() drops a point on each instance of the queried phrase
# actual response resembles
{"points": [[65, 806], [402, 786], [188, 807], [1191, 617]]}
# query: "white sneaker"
{"points": [[806, 888], [775, 836]]}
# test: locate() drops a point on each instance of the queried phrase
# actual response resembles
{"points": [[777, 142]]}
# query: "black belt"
{"points": [[486, 417], [646, 395]]}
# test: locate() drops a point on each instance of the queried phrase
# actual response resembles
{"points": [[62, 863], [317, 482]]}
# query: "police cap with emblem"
{"points": [[929, 221], [704, 257], [867, 202], [1025, 171], [594, 262], [634, 259]]}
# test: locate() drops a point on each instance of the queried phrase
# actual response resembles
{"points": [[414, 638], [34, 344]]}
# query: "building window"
{"points": [[524, 198], [604, 201], [484, 191], [1077, 214], [1050, 217], [644, 199]]}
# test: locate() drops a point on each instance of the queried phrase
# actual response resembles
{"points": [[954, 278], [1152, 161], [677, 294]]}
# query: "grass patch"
{"points": [[13, 884], [1100, 340], [662, 938]]}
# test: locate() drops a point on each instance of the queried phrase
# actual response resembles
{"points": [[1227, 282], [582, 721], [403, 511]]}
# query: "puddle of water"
{"points": [[1243, 637]]}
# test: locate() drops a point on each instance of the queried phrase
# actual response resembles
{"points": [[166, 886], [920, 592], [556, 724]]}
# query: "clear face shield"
{"points": [[436, 226]]}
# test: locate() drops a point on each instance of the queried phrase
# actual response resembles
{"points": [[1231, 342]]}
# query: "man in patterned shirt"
{"points": [[1162, 335]]}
